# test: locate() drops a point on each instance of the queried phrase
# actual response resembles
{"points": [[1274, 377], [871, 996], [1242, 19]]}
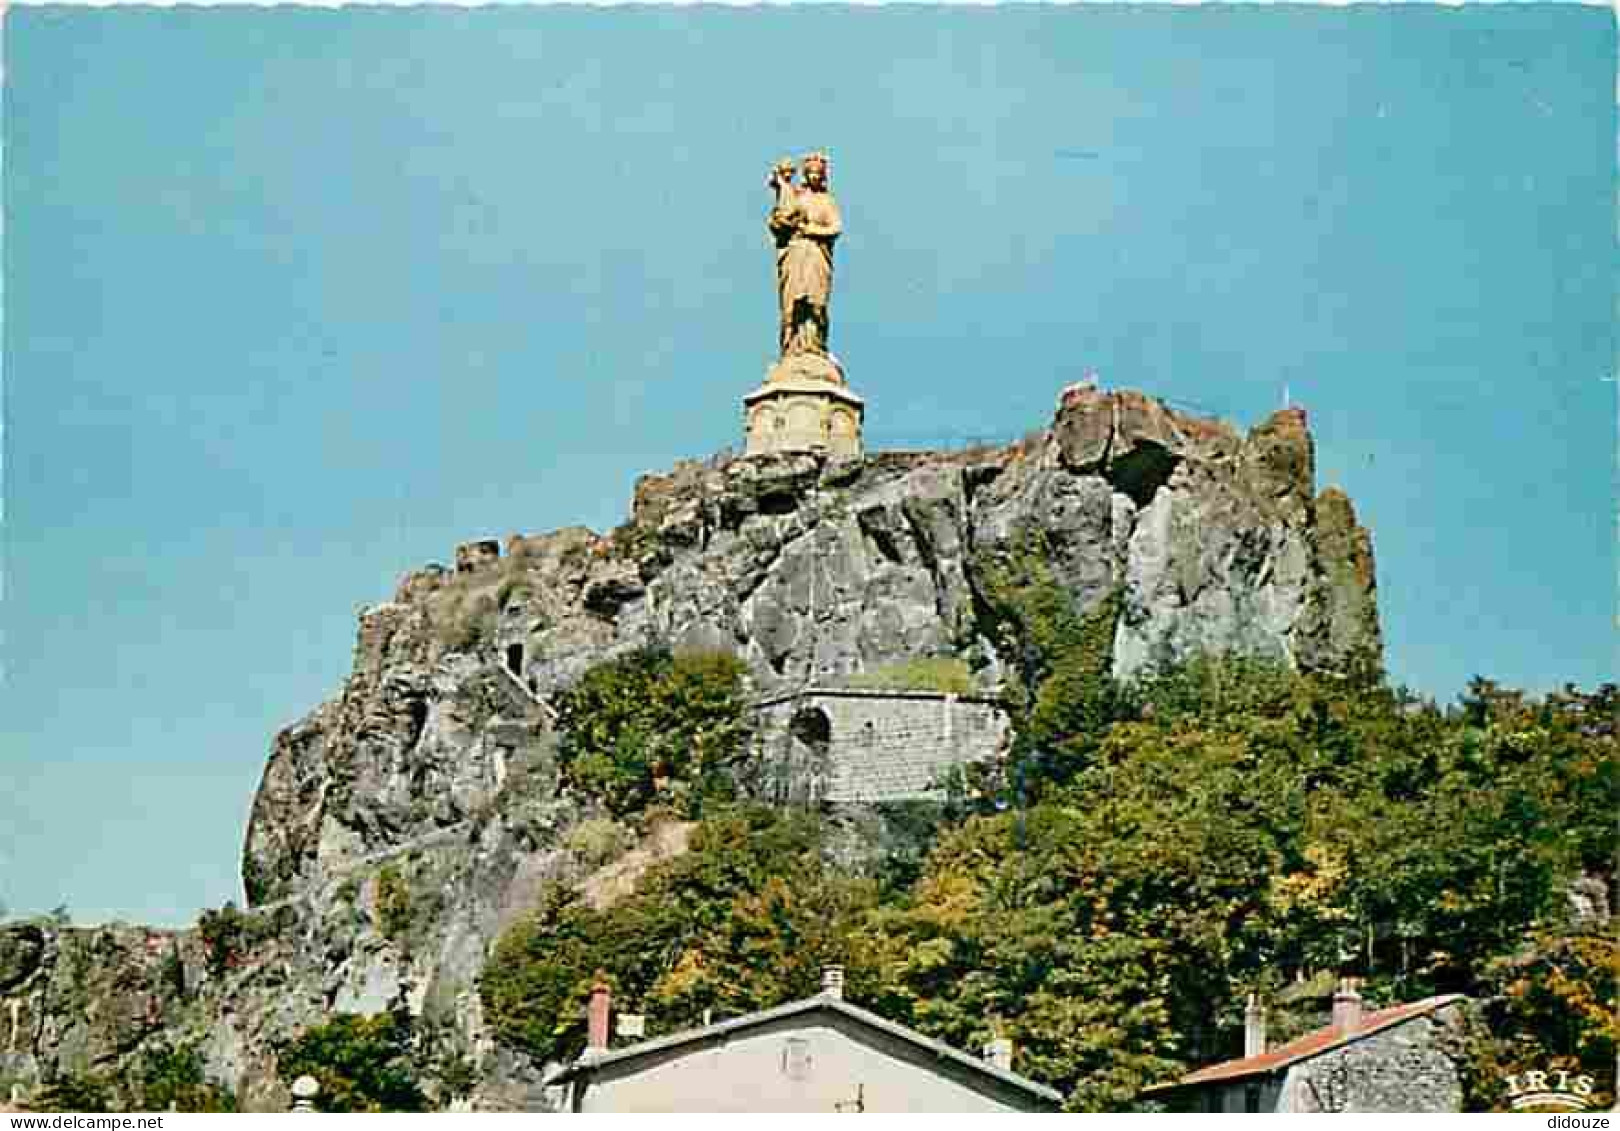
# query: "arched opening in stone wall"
{"points": [[809, 756], [811, 726], [514, 659]]}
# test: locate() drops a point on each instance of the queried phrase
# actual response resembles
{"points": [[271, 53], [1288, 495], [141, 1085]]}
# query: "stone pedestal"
{"points": [[804, 406]]}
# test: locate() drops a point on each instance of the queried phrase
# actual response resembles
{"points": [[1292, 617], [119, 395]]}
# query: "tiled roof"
{"points": [[1311, 1044], [594, 1060]]}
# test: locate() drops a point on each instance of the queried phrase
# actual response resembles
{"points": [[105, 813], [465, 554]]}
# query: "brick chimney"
{"points": [[1346, 1007], [999, 1053], [601, 1006], [832, 981], [1254, 1027]]}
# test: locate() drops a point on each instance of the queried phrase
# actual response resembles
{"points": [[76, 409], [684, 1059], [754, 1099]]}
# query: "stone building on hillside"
{"points": [[856, 745], [1395, 1059], [821, 1054]]}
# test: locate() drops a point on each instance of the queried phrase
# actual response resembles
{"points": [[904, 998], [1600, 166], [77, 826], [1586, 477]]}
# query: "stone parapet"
{"points": [[860, 745], [875, 694]]}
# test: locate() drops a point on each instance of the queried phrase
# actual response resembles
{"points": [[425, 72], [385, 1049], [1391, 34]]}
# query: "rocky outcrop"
{"points": [[815, 572], [1223, 544], [83, 999], [433, 764]]}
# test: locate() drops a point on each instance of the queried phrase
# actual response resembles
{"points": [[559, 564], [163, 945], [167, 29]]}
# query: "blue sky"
{"points": [[296, 299]]}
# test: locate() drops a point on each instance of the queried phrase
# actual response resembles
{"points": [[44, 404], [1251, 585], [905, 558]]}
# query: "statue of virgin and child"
{"points": [[804, 223]]}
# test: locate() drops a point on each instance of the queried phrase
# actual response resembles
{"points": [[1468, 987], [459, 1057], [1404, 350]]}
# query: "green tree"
{"points": [[172, 1077], [227, 935], [1248, 824], [994, 943], [1098, 926], [653, 725], [538, 977], [745, 919], [1554, 1007], [1219, 827], [76, 1092]]}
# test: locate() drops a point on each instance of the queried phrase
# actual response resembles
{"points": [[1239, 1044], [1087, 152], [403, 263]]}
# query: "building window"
{"points": [[796, 1058], [1251, 1097]]}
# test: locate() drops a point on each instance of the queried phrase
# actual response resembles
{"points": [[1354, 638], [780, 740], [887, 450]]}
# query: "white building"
{"points": [[821, 1054]]}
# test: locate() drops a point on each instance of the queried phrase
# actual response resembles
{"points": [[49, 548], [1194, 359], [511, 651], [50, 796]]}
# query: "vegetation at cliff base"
{"points": [[361, 1063], [1555, 1005], [743, 920], [76, 1092], [1222, 828], [173, 1079]]}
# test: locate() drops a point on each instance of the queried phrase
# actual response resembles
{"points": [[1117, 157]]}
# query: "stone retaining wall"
{"points": [[846, 745]]}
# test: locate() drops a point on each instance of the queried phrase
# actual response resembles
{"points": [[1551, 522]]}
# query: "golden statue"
{"points": [[805, 404], [804, 223]]}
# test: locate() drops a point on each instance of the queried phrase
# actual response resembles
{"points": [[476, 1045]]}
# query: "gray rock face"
{"points": [[76, 999], [22, 949], [1215, 540], [434, 761]]}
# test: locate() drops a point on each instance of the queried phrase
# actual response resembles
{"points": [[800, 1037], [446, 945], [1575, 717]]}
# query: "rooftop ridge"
{"points": [[1314, 1043]]}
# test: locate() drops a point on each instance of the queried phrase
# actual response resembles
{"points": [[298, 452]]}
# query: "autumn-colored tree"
{"points": [[1554, 1008], [1250, 825], [1154, 853], [743, 920]]}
